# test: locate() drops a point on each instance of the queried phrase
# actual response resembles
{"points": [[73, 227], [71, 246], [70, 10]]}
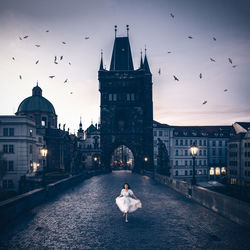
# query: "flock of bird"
{"points": [[56, 59], [200, 75]]}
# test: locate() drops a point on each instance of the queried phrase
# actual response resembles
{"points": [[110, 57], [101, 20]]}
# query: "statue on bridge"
{"points": [[163, 166]]}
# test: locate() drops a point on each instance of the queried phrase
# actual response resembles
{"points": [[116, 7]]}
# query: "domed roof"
{"points": [[36, 103]]}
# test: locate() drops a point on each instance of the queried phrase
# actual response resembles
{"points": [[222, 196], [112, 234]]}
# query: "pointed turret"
{"points": [[101, 63], [141, 62], [145, 65]]}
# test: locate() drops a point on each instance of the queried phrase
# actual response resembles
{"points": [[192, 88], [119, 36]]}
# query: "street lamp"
{"points": [[194, 150], [145, 158], [95, 159], [44, 152]]}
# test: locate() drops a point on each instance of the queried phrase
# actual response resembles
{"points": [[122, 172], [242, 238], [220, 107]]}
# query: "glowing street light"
{"points": [[194, 151], [44, 152], [145, 158]]}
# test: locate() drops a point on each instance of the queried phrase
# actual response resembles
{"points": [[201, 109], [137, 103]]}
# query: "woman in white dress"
{"points": [[126, 203]]}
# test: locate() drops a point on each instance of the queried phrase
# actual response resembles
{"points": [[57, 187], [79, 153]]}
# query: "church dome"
{"points": [[36, 103]]}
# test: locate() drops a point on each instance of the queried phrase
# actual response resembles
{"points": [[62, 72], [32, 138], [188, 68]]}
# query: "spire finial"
{"points": [[145, 49], [101, 64], [127, 26], [37, 83], [115, 30]]}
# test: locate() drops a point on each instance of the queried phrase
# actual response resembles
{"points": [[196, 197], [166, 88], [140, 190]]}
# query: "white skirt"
{"points": [[127, 204]]}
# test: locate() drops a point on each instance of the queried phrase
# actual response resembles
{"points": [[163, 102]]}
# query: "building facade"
{"points": [[20, 145], [238, 155]]}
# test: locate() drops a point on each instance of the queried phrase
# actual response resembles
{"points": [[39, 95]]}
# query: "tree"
{"points": [[3, 166]]}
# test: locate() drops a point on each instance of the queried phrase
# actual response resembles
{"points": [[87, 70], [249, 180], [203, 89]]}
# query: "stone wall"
{"points": [[11, 208], [233, 209]]}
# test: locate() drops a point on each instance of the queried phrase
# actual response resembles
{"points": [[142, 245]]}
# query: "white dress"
{"points": [[127, 204]]}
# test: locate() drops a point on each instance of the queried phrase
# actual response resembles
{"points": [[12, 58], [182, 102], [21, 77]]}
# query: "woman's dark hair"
{"points": [[127, 184]]}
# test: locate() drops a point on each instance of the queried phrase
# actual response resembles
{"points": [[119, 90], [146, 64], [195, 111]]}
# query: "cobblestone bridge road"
{"points": [[86, 217]]}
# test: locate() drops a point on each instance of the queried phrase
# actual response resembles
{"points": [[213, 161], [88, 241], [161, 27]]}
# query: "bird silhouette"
{"points": [[169, 52], [51, 77], [86, 37], [61, 57], [69, 63], [47, 31], [200, 75], [37, 45], [66, 80], [230, 60], [190, 37], [212, 60], [25, 37], [225, 90], [234, 66], [172, 15], [20, 38], [175, 78], [13, 58], [71, 93], [159, 71], [214, 38], [37, 61], [63, 43], [20, 77], [205, 102]]}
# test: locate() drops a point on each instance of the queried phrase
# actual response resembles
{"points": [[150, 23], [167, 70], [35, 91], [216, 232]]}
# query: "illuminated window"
{"points": [[223, 170], [211, 172], [217, 171]]}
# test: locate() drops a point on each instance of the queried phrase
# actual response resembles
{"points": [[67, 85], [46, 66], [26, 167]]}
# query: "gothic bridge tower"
{"points": [[126, 108]]}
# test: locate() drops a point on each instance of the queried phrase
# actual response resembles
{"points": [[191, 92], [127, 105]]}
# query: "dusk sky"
{"points": [[175, 103]]}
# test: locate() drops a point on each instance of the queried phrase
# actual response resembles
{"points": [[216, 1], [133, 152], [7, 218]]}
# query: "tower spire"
{"points": [[127, 26], [141, 62], [101, 63], [145, 65], [115, 30]]}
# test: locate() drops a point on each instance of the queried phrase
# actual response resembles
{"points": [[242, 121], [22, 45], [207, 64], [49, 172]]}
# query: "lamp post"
{"points": [[194, 150], [44, 152], [145, 161], [95, 159]]}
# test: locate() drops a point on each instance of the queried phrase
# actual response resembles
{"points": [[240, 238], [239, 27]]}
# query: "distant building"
{"points": [[89, 145], [239, 155], [21, 147], [211, 160]]}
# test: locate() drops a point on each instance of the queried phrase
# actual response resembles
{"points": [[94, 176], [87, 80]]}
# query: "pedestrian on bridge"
{"points": [[126, 203]]}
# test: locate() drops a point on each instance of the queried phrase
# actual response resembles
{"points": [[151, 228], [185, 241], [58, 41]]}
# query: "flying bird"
{"points": [[86, 37], [190, 37], [69, 63], [200, 75], [225, 90], [205, 102], [230, 60], [234, 66], [20, 77], [37, 61], [37, 45], [169, 52], [47, 31], [61, 57], [13, 58], [51, 77], [159, 71], [20, 38], [214, 38], [66, 80], [71, 93], [172, 15], [212, 60], [176, 79], [25, 37], [63, 43]]}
